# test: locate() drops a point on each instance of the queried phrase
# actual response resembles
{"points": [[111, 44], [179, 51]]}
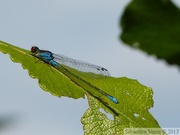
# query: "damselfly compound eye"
{"points": [[34, 49]]}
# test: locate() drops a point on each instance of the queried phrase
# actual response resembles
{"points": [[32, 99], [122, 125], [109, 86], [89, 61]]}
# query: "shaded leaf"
{"points": [[154, 27]]}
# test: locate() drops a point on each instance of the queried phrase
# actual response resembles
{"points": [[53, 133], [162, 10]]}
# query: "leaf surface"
{"points": [[135, 99]]}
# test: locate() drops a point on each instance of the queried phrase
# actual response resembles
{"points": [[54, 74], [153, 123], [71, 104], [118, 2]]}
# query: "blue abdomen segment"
{"points": [[53, 63], [113, 99]]}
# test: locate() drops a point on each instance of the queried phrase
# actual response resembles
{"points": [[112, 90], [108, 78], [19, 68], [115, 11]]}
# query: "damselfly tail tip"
{"points": [[113, 99]]}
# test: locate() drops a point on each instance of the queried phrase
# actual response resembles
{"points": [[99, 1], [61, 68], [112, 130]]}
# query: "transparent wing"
{"points": [[80, 65]]}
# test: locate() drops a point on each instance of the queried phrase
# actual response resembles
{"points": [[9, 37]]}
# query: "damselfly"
{"points": [[60, 60]]}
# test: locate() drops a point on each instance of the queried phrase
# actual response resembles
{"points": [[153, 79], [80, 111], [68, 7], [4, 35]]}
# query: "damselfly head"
{"points": [[34, 49]]}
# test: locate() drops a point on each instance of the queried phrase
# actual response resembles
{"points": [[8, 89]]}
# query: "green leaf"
{"points": [[154, 27], [134, 99], [132, 110], [49, 79]]}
